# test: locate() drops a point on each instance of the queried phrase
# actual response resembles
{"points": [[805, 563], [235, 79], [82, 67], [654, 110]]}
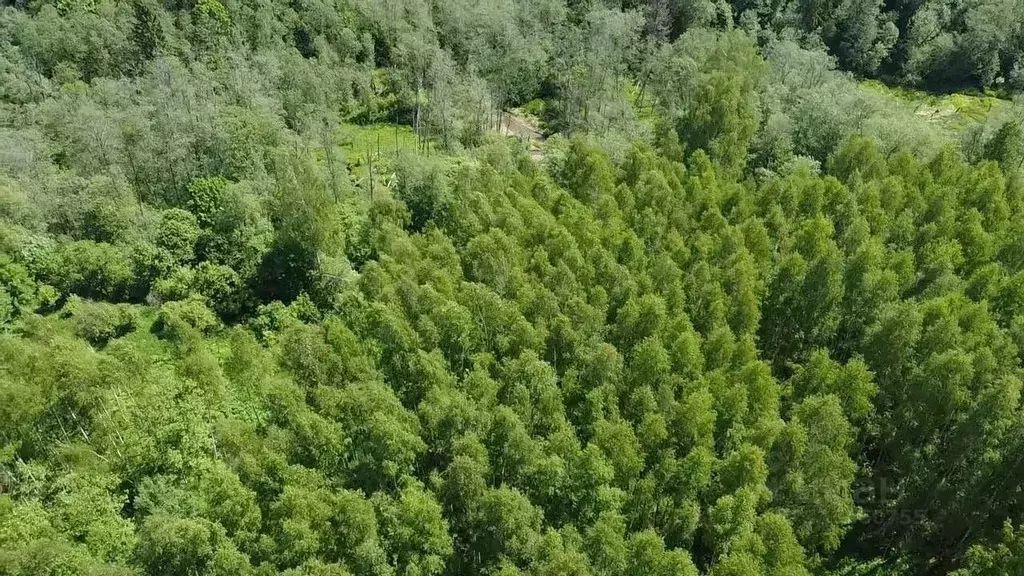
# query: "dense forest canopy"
{"points": [[279, 296]]}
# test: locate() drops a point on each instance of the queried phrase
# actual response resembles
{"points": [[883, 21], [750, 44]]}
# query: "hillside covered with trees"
{"points": [[278, 295]]}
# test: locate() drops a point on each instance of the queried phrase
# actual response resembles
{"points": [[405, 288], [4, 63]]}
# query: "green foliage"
{"points": [[739, 314], [1006, 557], [708, 87], [99, 322], [88, 269], [178, 318], [421, 185], [178, 233]]}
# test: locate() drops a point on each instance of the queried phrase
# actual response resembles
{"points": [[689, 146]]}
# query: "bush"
{"points": [[89, 269], [178, 233], [99, 322], [176, 319]]}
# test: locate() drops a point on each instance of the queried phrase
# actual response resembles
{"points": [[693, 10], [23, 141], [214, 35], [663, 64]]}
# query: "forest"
{"points": [[282, 290]]}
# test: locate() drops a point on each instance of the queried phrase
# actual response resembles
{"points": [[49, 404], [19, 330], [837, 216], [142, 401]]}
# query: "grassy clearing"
{"points": [[385, 147], [953, 112], [382, 143]]}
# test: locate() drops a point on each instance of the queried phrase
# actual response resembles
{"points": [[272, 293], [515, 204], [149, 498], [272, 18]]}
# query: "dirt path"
{"points": [[516, 124]]}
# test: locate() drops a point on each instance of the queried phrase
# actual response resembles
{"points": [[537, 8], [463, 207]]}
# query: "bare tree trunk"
{"points": [[444, 122], [419, 86], [479, 110], [369, 166], [130, 156], [329, 157], [643, 87]]}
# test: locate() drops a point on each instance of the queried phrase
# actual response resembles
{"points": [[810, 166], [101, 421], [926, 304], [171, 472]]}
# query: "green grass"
{"points": [[381, 143], [385, 145], [951, 111]]}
